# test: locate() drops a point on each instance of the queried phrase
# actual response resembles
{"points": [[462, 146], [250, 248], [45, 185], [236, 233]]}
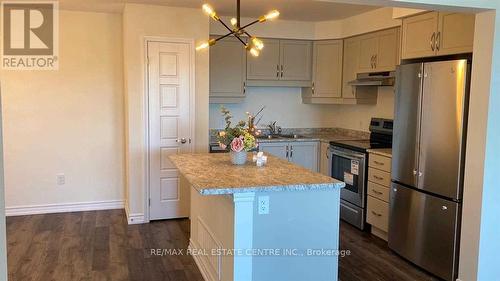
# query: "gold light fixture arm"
{"points": [[254, 45]]}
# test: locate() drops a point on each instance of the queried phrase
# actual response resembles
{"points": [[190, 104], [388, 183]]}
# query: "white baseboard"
{"points": [[136, 218], [64, 208]]}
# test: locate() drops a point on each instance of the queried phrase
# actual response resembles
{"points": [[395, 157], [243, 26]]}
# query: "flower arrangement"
{"points": [[238, 138]]}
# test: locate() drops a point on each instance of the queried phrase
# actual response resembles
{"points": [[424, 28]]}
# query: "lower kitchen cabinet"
{"points": [[323, 158], [377, 202], [378, 216], [278, 149], [301, 153], [304, 154]]}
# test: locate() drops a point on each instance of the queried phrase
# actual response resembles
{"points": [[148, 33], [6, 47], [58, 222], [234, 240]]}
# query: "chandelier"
{"points": [[254, 45]]}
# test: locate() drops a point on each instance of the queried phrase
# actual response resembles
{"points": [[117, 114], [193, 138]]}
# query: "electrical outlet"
{"points": [[263, 205], [61, 179]]}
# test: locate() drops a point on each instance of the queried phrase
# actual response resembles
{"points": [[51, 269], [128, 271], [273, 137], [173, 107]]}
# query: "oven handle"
{"points": [[333, 151]]}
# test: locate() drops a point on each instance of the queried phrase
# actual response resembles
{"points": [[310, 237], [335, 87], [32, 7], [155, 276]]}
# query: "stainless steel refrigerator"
{"points": [[431, 106]]}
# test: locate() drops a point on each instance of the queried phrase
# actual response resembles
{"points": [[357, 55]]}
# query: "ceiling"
{"points": [[300, 10]]}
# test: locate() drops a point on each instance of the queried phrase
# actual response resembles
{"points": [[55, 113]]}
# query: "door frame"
{"points": [[192, 101]]}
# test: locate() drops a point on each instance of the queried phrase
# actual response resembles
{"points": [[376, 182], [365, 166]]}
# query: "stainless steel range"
{"points": [[348, 163]]}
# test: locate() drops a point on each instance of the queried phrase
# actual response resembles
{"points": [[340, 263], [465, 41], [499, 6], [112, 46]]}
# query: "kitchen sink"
{"points": [[290, 136], [280, 137], [268, 137]]}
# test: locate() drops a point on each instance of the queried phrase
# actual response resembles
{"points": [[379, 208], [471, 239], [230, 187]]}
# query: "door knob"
{"points": [[183, 140]]}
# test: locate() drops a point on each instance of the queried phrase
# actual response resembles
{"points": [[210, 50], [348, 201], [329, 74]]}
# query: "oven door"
{"points": [[349, 166]]}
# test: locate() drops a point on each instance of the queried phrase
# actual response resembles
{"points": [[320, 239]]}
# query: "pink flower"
{"points": [[237, 145]]}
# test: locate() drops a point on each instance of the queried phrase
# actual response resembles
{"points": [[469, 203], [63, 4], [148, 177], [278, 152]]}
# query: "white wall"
{"points": [[68, 121], [3, 227], [366, 22], [285, 106], [147, 20]]}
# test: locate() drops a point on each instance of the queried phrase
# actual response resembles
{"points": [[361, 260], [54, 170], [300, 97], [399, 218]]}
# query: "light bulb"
{"points": [[269, 16], [254, 52], [202, 46], [209, 11], [257, 43], [234, 21], [205, 44]]}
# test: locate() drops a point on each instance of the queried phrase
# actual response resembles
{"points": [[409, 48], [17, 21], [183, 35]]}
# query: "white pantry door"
{"points": [[169, 83]]}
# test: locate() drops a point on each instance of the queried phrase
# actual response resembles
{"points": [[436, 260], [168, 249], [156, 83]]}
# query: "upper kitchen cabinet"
{"points": [[372, 52], [227, 71], [437, 34], [281, 63], [379, 51], [327, 71], [267, 65], [455, 33], [295, 59], [419, 35], [350, 68]]}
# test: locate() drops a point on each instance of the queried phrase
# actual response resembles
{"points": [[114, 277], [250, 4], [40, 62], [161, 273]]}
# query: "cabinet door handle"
{"points": [[376, 214], [375, 61], [438, 41], [312, 88], [281, 70], [244, 87], [377, 192], [287, 151], [378, 163], [291, 151], [277, 71], [433, 41], [378, 178], [371, 61]]}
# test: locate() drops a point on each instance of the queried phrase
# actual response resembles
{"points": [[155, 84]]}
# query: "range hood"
{"points": [[374, 79]]}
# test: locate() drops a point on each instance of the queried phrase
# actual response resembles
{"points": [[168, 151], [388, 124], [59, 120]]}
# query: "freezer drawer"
{"points": [[424, 230]]}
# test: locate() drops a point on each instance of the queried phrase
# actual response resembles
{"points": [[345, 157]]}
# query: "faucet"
{"points": [[275, 129]]}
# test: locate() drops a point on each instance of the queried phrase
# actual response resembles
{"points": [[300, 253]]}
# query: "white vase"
{"points": [[238, 158]]}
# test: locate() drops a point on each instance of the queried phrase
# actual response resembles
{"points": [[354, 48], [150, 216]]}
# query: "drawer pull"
{"points": [[376, 214], [377, 192], [378, 178], [378, 163]]}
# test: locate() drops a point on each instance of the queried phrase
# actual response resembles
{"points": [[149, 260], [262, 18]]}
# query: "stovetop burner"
{"points": [[360, 145], [380, 137]]}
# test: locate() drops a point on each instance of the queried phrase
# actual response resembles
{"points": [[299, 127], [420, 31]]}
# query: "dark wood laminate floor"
{"points": [[99, 245]]}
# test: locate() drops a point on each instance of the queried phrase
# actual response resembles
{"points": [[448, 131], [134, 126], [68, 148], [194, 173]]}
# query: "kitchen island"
{"points": [[277, 222]]}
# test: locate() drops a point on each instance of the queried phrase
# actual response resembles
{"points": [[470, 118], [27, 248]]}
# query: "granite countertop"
{"points": [[309, 134], [387, 152], [213, 174], [323, 137]]}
